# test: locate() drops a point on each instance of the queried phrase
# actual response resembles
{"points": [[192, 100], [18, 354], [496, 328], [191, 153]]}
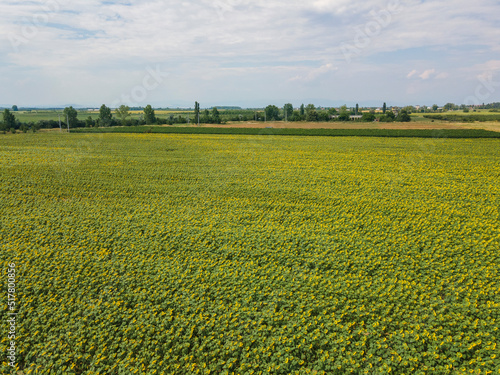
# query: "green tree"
{"points": [[403, 116], [302, 110], [332, 111], [344, 114], [323, 116], [205, 118], [435, 107], [288, 111], [311, 113], [295, 116], [196, 111], [368, 117], [384, 108], [123, 112], [70, 114], [105, 116], [14, 108], [449, 106], [357, 109], [9, 120], [272, 113], [149, 115], [215, 116], [310, 107], [410, 109], [89, 122]]}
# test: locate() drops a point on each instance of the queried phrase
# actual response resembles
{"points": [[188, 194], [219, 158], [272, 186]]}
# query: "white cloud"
{"points": [[427, 74], [314, 74], [443, 75], [113, 42], [412, 73], [488, 67]]}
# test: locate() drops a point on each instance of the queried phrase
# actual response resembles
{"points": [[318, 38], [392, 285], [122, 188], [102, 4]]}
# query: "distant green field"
{"points": [[484, 112], [232, 115], [34, 116]]}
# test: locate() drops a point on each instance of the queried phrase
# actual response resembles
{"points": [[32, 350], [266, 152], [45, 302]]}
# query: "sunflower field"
{"points": [[249, 254]]}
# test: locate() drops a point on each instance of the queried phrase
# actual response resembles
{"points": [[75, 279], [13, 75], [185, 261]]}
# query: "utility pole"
{"points": [[60, 127], [67, 119]]}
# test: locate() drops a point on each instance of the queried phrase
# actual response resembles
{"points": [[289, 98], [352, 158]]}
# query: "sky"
{"points": [[249, 53]]}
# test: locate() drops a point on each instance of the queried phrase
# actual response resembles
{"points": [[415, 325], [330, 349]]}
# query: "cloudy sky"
{"points": [[249, 53]]}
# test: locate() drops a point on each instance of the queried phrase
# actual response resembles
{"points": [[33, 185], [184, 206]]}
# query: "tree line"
{"points": [[312, 114], [123, 117]]}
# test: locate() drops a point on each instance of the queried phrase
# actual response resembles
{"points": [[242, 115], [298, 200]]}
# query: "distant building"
{"points": [[352, 117]]}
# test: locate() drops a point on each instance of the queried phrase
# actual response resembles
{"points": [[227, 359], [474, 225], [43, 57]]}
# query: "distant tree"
{"points": [[309, 108], [403, 116], [35, 127], [123, 112], [105, 116], [323, 116], [105, 112], [435, 107], [384, 108], [272, 113], [410, 109], [288, 110], [368, 117], [357, 109], [9, 120], [344, 114], [89, 122], [449, 106], [149, 115], [386, 118], [14, 108], [295, 116], [215, 116], [332, 111], [70, 114], [196, 111], [302, 110], [390, 114], [466, 110], [205, 118], [311, 113]]}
